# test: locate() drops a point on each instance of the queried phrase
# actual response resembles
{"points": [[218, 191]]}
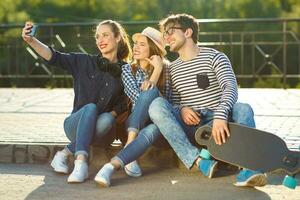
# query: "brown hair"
{"points": [[124, 50], [153, 50], [185, 21]]}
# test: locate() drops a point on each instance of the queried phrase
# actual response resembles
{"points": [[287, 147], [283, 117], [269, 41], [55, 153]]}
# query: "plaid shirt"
{"points": [[132, 83], [168, 91]]}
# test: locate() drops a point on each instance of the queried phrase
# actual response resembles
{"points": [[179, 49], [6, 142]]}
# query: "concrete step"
{"points": [[43, 153]]}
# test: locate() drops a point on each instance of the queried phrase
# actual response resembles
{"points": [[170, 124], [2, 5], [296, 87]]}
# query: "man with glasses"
{"points": [[202, 89]]}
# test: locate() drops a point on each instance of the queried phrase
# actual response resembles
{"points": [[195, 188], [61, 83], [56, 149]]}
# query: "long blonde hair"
{"points": [[153, 50]]}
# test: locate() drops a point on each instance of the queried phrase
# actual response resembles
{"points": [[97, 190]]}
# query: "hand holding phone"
{"points": [[28, 32], [33, 30]]}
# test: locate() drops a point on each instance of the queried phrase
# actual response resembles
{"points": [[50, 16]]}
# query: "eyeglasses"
{"points": [[171, 30]]}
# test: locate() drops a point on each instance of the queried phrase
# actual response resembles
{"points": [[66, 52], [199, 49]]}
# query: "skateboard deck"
{"points": [[251, 148]]}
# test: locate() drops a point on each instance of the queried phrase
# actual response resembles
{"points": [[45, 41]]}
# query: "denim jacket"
{"points": [[95, 80]]}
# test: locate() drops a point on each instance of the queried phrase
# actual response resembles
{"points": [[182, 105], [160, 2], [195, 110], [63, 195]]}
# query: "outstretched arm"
{"points": [[42, 49]]}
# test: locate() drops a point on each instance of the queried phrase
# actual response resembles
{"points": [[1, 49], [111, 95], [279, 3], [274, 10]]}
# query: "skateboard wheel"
{"points": [[205, 154], [289, 182]]}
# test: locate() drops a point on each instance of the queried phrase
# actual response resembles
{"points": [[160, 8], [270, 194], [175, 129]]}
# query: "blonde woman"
{"points": [[141, 81]]}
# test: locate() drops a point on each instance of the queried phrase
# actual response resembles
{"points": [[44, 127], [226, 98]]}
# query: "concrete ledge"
{"points": [[27, 153], [154, 157], [38, 154]]}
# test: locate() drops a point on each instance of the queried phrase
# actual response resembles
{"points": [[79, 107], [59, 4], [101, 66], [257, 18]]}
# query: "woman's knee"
{"points": [[104, 124], [88, 112], [149, 95], [70, 127], [90, 108], [150, 132], [154, 92], [71, 136]]}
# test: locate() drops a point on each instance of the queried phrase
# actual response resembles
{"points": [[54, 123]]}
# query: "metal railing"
{"points": [[257, 48]]}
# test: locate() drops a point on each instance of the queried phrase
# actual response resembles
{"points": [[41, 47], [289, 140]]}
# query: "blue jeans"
{"points": [[181, 136], [146, 137], [140, 116], [136, 122], [84, 126]]}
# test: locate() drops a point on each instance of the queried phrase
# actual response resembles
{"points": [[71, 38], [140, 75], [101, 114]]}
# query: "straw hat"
{"points": [[154, 35]]}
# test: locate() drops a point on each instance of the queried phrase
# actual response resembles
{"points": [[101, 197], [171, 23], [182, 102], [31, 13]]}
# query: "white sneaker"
{"points": [[104, 174], [59, 162], [133, 169], [80, 172]]}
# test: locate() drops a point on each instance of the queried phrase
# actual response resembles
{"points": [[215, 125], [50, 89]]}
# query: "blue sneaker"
{"points": [[207, 167], [249, 178]]}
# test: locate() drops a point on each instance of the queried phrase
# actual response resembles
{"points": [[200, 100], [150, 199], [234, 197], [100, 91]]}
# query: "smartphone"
{"points": [[33, 30]]}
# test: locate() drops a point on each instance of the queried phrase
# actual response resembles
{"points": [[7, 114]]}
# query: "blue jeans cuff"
{"points": [[133, 130], [81, 153], [118, 159], [68, 150]]}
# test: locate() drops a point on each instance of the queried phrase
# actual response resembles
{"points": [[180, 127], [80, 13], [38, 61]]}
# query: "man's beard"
{"points": [[177, 46]]}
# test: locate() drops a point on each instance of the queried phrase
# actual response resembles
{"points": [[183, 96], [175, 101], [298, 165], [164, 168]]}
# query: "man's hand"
{"points": [[189, 116], [220, 131]]}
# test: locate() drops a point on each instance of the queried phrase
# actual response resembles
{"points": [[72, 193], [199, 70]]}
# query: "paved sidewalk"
{"points": [[36, 182], [36, 115]]}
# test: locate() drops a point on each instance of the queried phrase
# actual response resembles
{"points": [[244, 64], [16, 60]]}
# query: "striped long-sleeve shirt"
{"points": [[206, 81], [132, 83]]}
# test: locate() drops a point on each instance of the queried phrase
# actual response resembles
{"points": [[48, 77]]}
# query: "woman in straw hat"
{"points": [[142, 81], [98, 91]]}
